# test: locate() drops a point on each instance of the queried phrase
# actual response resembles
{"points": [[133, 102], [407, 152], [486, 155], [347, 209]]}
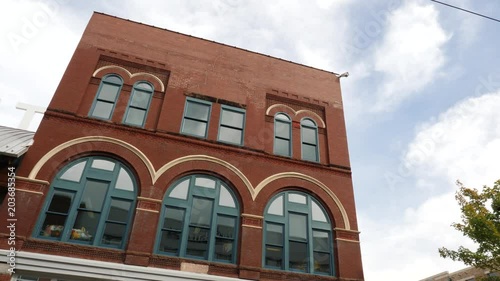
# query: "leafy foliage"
{"points": [[481, 223]]}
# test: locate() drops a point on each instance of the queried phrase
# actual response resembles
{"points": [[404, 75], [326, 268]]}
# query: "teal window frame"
{"points": [[136, 90], [225, 108], [196, 192], [277, 138], [305, 143], [79, 189], [106, 81], [283, 220], [186, 118]]}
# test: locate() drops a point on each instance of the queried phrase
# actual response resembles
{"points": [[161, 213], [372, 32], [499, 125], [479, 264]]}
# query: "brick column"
{"points": [[349, 254], [251, 247], [29, 196], [143, 233]]}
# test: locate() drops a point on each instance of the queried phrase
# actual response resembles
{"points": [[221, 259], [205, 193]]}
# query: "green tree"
{"points": [[481, 223]]}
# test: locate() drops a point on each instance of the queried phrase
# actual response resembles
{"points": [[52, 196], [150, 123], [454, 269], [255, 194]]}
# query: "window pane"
{"points": [[282, 117], [298, 256], [180, 191], [113, 234], [225, 227], [170, 241], [296, 198], [232, 118], [308, 135], [197, 111], [53, 225], [230, 135], [317, 212], [201, 212], [113, 79], [124, 181], [274, 234], [276, 207], [204, 182], [119, 210], [322, 262], [274, 256], [197, 242], [103, 165], [102, 109], [144, 86], [298, 227], [282, 130], [61, 202], [135, 116], [192, 127], [140, 99], [26, 278], [308, 122], [224, 249], [74, 173], [94, 195], [108, 92], [309, 152], [321, 241], [85, 226], [174, 219], [282, 147], [225, 197]]}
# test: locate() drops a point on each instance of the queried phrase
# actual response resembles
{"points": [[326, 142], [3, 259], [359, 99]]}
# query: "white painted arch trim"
{"points": [[27, 262], [322, 125], [156, 174], [330, 193], [130, 75], [152, 172], [59, 148], [206, 158]]}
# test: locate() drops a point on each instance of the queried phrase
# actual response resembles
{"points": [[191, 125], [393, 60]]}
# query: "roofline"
{"points": [[226, 45]]}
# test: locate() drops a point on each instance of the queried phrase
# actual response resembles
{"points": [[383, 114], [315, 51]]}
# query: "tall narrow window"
{"points": [[90, 202], [297, 235], [106, 97], [196, 117], [282, 135], [138, 104], [231, 126], [309, 135], [199, 220]]}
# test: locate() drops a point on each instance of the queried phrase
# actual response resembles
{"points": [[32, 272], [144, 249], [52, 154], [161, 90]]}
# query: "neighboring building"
{"points": [[164, 156], [13, 144], [466, 274]]}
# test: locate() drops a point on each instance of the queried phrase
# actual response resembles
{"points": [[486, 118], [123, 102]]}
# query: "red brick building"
{"points": [[164, 156]]}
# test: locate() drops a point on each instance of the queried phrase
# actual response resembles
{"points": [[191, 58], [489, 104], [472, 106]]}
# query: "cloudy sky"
{"points": [[422, 101]]}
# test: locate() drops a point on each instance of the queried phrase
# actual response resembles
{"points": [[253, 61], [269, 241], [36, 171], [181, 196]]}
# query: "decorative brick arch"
{"points": [[204, 163], [93, 145], [296, 115], [276, 183], [132, 78]]}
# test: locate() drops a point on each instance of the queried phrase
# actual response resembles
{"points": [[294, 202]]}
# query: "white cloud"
{"points": [[462, 143], [409, 247], [410, 55], [36, 49]]}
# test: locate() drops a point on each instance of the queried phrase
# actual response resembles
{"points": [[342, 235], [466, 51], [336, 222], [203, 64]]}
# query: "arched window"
{"points": [[106, 97], [90, 202], [297, 235], [138, 104], [282, 135], [309, 139], [199, 220]]}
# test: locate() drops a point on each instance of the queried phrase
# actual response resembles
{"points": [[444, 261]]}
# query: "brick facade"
{"points": [[181, 66]]}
